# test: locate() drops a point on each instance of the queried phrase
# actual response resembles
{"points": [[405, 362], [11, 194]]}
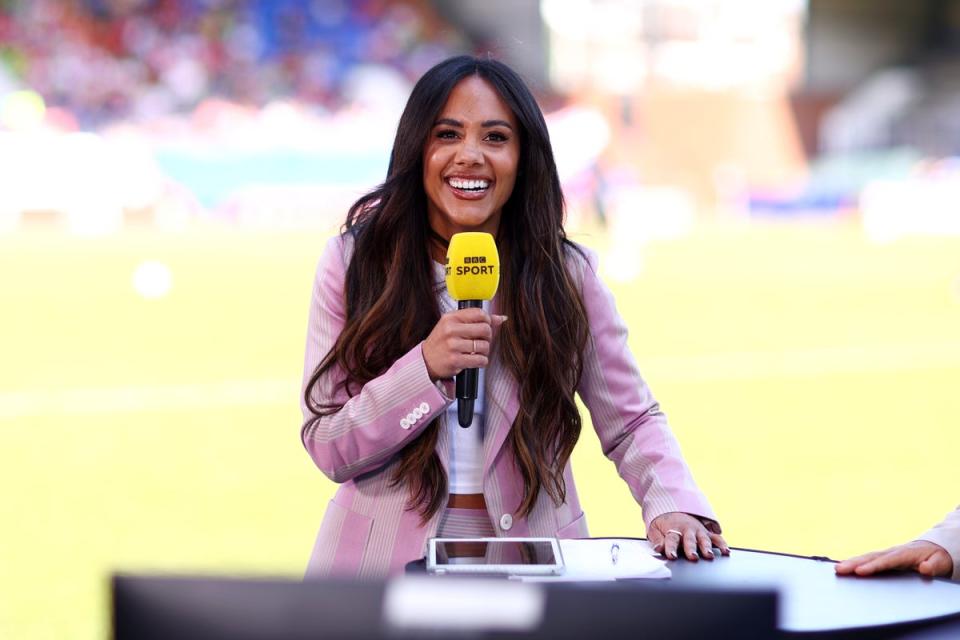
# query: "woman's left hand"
{"points": [[669, 531]]}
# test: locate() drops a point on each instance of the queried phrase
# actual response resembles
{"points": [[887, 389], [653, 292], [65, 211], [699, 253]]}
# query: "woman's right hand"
{"points": [[460, 340]]}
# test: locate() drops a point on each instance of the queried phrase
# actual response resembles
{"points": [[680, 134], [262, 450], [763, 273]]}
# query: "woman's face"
{"points": [[470, 160]]}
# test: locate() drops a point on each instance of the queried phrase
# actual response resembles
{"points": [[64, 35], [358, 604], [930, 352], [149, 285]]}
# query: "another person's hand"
{"points": [[926, 558], [460, 340], [669, 531]]}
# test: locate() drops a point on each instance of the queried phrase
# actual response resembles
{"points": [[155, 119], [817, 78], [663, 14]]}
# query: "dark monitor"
{"points": [[207, 608], [658, 609], [148, 607]]}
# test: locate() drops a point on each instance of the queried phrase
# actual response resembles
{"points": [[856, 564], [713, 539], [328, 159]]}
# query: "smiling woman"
{"points": [[470, 161], [385, 340]]}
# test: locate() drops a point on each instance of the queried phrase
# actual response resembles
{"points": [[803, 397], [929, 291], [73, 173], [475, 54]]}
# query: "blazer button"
{"points": [[506, 521], [404, 423], [417, 413], [411, 418], [425, 408]]}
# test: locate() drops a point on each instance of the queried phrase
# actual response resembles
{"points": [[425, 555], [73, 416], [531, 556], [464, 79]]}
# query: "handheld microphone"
{"points": [[473, 273]]}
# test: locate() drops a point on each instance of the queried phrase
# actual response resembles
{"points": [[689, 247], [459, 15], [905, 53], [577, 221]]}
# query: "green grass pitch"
{"points": [[810, 376]]}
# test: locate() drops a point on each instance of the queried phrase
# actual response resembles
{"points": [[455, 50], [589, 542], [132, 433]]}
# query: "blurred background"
{"points": [[773, 186]]}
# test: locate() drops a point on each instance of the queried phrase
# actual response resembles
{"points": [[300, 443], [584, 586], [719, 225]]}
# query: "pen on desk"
{"points": [[614, 552]]}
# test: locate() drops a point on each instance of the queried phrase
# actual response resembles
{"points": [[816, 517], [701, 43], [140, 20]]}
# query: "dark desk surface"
{"points": [[814, 599]]}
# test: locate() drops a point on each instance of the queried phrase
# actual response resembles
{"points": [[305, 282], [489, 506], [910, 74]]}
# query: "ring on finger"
{"points": [[669, 531], [474, 347]]}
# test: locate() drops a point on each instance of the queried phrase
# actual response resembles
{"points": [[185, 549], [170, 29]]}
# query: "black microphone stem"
{"points": [[467, 379]]}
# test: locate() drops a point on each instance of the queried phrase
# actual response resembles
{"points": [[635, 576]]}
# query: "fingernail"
{"points": [[709, 554]]}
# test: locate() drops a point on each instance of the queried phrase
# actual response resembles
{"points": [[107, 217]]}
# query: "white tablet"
{"points": [[495, 556]]}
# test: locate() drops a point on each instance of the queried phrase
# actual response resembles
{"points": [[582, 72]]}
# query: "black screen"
{"points": [[497, 552]]}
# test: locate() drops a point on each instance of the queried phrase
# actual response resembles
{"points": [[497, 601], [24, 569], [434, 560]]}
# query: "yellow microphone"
{"points": [[473, 273]]}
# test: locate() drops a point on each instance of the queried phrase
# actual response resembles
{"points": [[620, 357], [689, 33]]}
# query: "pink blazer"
{"points": [[367, 531]]}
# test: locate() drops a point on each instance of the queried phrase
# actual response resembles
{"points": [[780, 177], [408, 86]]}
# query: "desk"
{"points": [[727, 598], [813, 600]]}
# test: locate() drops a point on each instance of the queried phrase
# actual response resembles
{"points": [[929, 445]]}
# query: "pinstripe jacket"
{"points": [[368, 532], [947, 535]]}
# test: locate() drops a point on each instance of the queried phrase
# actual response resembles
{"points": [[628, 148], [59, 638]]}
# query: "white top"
{"points": [[465, 472]]}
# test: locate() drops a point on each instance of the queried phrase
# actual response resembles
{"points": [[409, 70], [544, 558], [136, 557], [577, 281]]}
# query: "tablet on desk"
{"points": [[495, 556]]}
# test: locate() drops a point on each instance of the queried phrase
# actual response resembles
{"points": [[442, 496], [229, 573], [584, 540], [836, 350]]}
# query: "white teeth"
{"points": [[468, 185]]}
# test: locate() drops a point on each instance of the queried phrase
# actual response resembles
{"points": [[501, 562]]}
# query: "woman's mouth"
{"points": [[469, 187]]}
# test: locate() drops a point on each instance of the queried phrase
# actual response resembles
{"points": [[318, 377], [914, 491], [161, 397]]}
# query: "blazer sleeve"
{"points": [[947, 535], [387, 413], [633, 431]]}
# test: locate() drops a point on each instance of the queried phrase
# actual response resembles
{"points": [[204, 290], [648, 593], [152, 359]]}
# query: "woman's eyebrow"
{"points": [[486, 124]]}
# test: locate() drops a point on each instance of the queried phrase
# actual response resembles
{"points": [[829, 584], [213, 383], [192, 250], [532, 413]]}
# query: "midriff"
{"points": [[466, 501]]}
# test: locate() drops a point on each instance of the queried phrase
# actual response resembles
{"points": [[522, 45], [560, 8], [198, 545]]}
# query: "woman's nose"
{"points": [[469, 153]]}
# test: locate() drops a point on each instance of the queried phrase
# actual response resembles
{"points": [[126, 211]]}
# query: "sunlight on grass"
{"points": [[809, 375]]}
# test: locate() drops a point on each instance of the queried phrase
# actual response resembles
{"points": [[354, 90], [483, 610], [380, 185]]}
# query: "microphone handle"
{"points": [[467, 379]]}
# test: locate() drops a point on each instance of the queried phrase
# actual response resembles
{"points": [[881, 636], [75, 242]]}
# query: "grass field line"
{"points": [[695, 368], [233, 393], [753, 365]]}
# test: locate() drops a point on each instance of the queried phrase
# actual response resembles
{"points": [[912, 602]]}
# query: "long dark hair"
{"points": [[543, 341]]}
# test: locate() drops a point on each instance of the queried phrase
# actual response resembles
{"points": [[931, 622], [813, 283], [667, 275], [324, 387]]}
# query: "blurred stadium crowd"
{"points": [[102, 60], [280, 112], [167, 111]]}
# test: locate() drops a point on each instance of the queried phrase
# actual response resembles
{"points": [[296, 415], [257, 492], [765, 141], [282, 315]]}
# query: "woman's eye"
{"points": [[496, 136], [446, 134]]}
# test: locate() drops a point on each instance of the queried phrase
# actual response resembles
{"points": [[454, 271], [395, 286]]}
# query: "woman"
{"points": [[472, 153]]}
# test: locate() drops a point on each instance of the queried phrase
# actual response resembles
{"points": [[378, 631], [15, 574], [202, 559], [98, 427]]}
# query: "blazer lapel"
{"points": [[501, 403]]}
